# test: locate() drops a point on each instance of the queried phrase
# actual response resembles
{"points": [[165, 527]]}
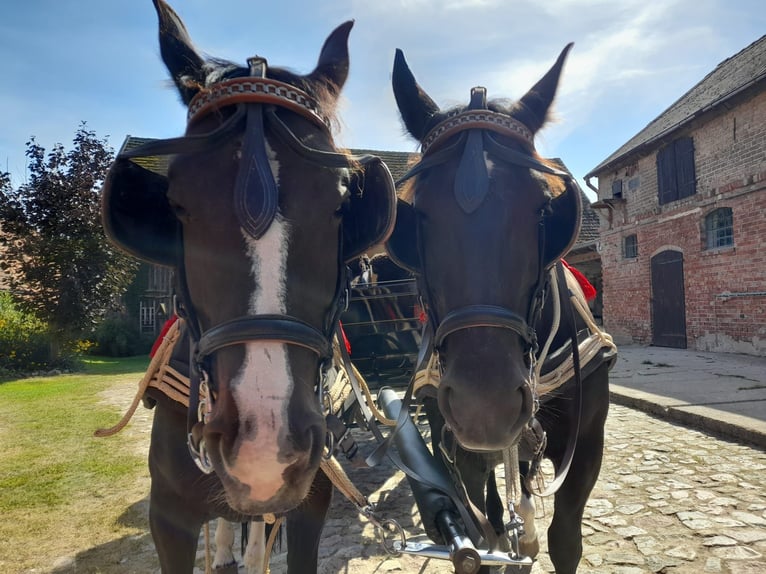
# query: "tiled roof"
{"points": [[158, 164], [398, 163], [730, 77]]}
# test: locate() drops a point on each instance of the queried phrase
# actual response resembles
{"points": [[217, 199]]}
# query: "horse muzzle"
{"points": [[485, 411]]}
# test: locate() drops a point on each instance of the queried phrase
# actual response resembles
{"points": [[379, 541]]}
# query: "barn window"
{"points": [[630, 246], [617, 188], [719, 228], [676, 177]]}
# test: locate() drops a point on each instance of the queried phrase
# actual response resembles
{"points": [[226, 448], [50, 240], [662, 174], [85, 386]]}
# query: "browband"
{"points": [[478, 119], [254, 89]]}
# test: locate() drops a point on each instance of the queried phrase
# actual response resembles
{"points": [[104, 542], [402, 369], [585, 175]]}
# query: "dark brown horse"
{"points": [[257, 215], [486, 223]]}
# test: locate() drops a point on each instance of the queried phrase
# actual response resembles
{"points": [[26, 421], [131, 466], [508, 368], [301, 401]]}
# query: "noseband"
{"points": [[256, 193], [475, 127]]}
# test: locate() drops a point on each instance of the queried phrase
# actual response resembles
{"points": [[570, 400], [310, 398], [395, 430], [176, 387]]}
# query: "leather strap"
{"points": [[256, 194], [472, 316], [566, 462], [280, 328], [189, 144], [250, 90]]}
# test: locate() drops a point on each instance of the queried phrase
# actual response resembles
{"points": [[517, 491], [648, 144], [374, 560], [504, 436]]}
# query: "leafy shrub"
{"points": [[24, 341], [119, 337]]}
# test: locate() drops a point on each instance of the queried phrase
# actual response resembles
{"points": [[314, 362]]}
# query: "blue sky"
{"points": [[67, 61]]}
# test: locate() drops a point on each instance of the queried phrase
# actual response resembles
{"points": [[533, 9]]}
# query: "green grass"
{"points": [[47, 424], [50, 463]]}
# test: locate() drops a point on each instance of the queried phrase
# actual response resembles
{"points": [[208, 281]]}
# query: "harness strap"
{"points": [[189, 144], [483, 316], [161, 356], [566, 462], [255, 211], [329, 159], [279, 328], [470, 515]]}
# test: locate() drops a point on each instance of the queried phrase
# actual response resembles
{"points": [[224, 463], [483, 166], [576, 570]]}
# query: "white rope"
{"points": [[554, 326]]}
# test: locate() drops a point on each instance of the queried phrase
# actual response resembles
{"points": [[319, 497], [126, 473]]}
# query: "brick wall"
{"points": [[730, 163]]}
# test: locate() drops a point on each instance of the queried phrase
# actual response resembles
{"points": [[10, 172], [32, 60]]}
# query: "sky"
{"points": [[97, 61]]}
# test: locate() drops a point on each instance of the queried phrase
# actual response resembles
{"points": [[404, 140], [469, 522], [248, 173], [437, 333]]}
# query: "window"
{"points": [[630, 246], [719, 228], [147, 313], [676, 177], [617, 188]]}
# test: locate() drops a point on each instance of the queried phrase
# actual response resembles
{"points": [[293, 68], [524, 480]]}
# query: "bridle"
{"points": [[475, 127], [255, 100]]}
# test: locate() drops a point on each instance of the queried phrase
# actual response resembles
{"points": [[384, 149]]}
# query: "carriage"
{"points": [[260, 214], [383, 325]]}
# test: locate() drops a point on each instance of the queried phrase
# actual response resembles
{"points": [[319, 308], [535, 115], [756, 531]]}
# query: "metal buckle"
{"points": [[199, 455], [205, 407], [323, 386], [449, 456]]}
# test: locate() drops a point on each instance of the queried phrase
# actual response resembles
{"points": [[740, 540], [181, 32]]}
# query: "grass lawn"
{"points": [[61, 489]]}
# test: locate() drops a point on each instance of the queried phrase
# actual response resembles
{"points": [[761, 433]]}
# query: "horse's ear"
{"points": [[332, 67], [533, 107], [415, 106], [178, 53]]}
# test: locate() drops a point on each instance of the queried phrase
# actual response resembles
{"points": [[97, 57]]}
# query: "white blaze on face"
{"points": [[263, 386]]}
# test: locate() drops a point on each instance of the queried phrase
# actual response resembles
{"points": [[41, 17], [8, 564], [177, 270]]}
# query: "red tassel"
{"points": [[165, 328], [588, 290], [345, 339]]}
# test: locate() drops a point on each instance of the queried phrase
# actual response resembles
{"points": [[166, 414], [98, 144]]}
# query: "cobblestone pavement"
{"points": [[669, 499]]}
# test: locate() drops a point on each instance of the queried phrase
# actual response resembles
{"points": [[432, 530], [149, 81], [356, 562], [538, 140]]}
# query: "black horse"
{"points": [[484, 226], [257, 215]]}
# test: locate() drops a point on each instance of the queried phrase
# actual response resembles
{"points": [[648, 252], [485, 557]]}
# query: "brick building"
{"points": [[683, 209]]}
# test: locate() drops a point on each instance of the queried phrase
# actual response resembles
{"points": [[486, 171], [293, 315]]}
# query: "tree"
{"points": [[60, 265]]}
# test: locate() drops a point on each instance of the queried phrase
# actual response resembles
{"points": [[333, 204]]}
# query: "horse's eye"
{"points": [[178, 210]]}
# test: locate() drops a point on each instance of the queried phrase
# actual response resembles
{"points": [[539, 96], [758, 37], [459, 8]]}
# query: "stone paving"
{"points": [[669, 499]]}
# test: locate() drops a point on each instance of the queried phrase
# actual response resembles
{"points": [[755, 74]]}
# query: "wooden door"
{"points": [[668, 303]]}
